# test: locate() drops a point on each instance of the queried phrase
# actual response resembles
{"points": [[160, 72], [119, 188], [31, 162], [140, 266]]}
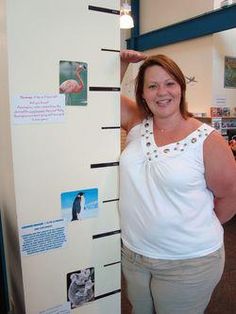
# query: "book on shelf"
{"points": [[220, 111], [216, 123]]}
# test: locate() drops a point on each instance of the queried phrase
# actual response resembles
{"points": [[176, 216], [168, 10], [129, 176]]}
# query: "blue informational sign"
{"points": [[43, 236]]}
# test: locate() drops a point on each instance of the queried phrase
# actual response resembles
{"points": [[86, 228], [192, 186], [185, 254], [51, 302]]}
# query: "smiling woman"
{"points": [[172, 196], [161, 92], [168, 75]]}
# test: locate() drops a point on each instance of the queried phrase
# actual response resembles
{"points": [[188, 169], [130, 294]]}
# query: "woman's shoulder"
{"points": [[134, 131], [194, 123], [133, 125]]}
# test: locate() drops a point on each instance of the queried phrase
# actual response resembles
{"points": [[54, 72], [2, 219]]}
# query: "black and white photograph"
{"points": [[80, 287]]}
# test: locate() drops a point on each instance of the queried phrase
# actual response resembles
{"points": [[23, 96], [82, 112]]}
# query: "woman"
{"points": [[177, 186]]}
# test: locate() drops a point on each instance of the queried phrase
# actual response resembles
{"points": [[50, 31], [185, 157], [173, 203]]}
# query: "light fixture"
{"points": [[126, 20]]}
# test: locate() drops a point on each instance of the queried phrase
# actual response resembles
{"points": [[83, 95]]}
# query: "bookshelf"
{"points": [[221, 124]]}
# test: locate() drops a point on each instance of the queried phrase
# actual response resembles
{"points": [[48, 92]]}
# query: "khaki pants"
{"points": [[171, 286]]}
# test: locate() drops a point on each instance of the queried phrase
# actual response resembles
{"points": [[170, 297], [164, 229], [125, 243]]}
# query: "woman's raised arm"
{"points": [[130, 114]]}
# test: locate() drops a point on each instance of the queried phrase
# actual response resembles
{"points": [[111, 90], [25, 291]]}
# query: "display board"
{"points": [[62, 107]]}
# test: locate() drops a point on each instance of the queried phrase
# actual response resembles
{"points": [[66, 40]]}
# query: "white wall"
{"points": [[195, 59], [7, 188], [202, 57], [223, 45], [156, 14], [42, 161]]}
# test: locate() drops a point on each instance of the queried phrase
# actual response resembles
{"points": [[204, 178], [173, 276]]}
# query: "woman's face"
{"points": [[161, 92]]}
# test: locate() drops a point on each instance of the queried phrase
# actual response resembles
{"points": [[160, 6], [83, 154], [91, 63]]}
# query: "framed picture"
{"points": [[80, 286], [80, 204], [230, 72], [73, 82]]}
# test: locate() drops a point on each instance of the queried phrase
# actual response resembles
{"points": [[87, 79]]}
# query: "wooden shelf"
{"points": [[228, 123], [209, 118]]}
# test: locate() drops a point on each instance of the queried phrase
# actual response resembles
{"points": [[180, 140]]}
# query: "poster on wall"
{"points": [[230, 72], [73, 82], [80, 287], [43, 236], [38, 108], [79, 204]]}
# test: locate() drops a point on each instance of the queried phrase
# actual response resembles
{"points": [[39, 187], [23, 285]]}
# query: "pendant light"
{"points": [[126, 20]]}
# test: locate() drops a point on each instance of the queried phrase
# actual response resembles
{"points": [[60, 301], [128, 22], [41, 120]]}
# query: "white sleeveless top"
{"points": [[166, 209]]}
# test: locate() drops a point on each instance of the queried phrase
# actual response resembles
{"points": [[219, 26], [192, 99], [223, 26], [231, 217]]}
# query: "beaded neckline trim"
{"points": [[153, 151]]}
